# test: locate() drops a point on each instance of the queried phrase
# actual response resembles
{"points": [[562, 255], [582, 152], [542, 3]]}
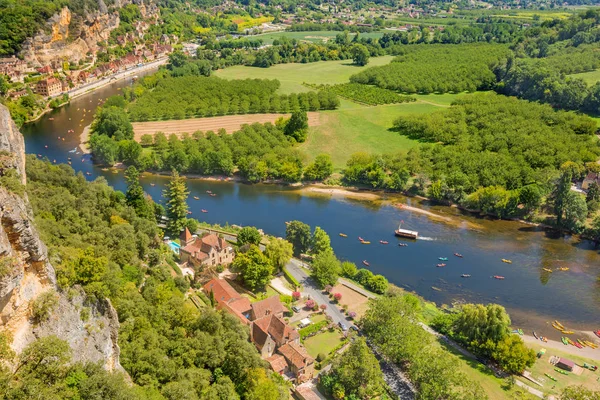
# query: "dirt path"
{"points": [[230, 123]]}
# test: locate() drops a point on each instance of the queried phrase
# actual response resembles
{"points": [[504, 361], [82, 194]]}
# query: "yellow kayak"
{"points": [[504, 260], [568, 332], [365, 242], [561, 326]]}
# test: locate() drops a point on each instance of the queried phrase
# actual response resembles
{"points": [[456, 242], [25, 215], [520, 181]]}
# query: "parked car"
{"points": [[295, 309], [343, 326], [354, 328]]}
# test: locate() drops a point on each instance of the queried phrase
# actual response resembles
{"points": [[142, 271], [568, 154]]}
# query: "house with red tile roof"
{"points": [[269, 306], [210, 250], [301, 364], [271, 332], [228, 299]]}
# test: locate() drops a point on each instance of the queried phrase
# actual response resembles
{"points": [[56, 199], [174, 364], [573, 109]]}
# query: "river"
{"points": [[532, 296]]}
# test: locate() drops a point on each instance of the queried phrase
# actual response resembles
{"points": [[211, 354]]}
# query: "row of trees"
{"points": [[258, 152], [366, 94], [198, 96], [438, 68], [109, 243], [325, 266]]}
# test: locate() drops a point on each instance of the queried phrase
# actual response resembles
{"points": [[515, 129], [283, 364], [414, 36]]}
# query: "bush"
{"points": [[296, 296], [323, 307], [312, 329], [290, 278], [315, 307], [337, 297], [310, 304], [219, 268], [42, 306], [321, 357]]}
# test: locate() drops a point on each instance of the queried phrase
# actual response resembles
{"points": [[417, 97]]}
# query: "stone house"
{"points": [[300, 363], [589, 179], [209, 250], [48, 87], [270, 332], [228, 299]]}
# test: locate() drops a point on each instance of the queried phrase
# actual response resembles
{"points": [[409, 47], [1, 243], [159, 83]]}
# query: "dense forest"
{"points": [[438, 68], [98, 240], [198, 96]]}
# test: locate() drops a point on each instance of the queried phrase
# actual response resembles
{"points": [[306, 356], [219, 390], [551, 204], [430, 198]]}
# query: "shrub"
{"points": [[220, 268], [296, 296], [312, 329], [315, 307], [42, 306], [290, 278], [321, 357], [337, 297], [310, 304]]}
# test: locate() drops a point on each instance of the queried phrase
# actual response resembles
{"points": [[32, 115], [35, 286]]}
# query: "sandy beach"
{"points": [[339, 192]]}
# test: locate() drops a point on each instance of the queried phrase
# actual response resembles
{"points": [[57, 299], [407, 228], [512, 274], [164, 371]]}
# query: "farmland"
{"points": [[314, 36]]}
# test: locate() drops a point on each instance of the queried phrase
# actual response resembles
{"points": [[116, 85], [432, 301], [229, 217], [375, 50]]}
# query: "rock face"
{"points": [[25, 272]]}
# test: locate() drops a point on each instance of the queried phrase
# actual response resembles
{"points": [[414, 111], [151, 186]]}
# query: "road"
{"points": [[311, 289]]}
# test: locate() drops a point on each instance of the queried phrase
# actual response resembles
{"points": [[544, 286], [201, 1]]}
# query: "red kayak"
{"points": [[498, 277]]}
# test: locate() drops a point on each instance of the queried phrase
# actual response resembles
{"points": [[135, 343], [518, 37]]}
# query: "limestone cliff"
{"points": [[26, 273], [70, 37]]}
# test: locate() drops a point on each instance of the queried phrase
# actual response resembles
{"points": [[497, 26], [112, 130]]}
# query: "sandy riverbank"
{"points": [[84, 139], [340, 192], [587, 352]]}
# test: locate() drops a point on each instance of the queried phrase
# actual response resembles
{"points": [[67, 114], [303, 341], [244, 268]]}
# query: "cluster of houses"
{"points": [[14, 68], [277, 342]]}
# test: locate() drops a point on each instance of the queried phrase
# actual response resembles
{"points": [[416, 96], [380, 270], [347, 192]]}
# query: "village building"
{"points": [[277, 342], [209, 250], [46, 70], [48, 87], [17, 94], [589, 179]]}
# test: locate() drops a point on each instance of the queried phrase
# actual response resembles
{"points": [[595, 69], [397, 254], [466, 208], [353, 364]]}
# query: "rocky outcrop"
{"points": [[71, 38], [25, 273]]}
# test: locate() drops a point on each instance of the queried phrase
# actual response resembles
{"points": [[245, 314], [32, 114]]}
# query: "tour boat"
{"points": [[406, 233], [458, 255], [402, 244], [440, 265], [366, 263], [504, 260], [443, 258], [465, 276], [196, 198], [384, 242], [547, 269], [204, 211], [498, 277], [343, 235]]}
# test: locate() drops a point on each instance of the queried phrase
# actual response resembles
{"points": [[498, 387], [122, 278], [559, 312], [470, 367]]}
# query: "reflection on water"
{"points": [[532, 295]]}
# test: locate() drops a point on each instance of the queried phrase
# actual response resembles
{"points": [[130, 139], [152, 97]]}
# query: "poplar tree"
{"points": [[176, 201], [135, 194]]}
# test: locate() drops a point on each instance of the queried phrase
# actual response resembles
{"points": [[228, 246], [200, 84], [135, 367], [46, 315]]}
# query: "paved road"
{"points": [[312, 289]]}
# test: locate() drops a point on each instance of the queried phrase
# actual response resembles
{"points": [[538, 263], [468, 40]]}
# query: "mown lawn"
{"points": [[324, 342], [293, 75]]}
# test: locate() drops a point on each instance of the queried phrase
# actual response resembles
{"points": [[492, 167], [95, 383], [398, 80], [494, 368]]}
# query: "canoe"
{"points": [[204, 211], [560, 371], [498, 277], [443, 258], [365, 242], [465, 276], [568, 332], [561, 326], [547, 269], [564, 340], [504, 260], [343, 235], [366, 263], [535, 335], [384, 242], [196, 198], [440, 265], [437, 289], [458, 255], [551, 377]]}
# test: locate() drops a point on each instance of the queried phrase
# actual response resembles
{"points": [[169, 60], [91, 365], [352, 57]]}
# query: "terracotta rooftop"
{"points": [[186, 236], [221, 289], [278, 363], [296, 354], [272, 305], [200, 248], [275, 327]]}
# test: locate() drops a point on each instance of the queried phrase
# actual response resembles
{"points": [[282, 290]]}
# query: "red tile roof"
{"points": [[272, 305], [278, 363], [228, 298], [200, 248], [296, 355], [275, 327]]}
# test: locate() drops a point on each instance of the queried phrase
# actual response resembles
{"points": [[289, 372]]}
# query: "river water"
{"points": [[532, 296]]}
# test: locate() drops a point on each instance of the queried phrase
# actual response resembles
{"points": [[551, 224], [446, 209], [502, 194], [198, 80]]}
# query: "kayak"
{"points": [[384, 242], [498, 277], [343, 235], [551, 377], [366, 263], [559, 324], [504, 260], [440, 265], [535, 335], [365, 242], [465, 276], [597, 333], [568, 332], [564, 340], [443, 258], [560, 371], [547, 269], [458, 255]]}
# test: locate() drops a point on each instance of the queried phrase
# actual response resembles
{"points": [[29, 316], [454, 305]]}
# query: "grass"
{"points": [[293, 75], [324, 343], [542, 366], [590, 77], [314, 37], [355, 128]]}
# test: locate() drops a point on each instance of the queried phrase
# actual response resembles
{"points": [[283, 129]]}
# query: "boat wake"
{"points": [[430, 239]]}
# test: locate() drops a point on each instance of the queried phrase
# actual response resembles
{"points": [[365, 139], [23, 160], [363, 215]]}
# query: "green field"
{"points": [[589, 77], [324, 343], [314, 37], [292, 76], [353, 127]]}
